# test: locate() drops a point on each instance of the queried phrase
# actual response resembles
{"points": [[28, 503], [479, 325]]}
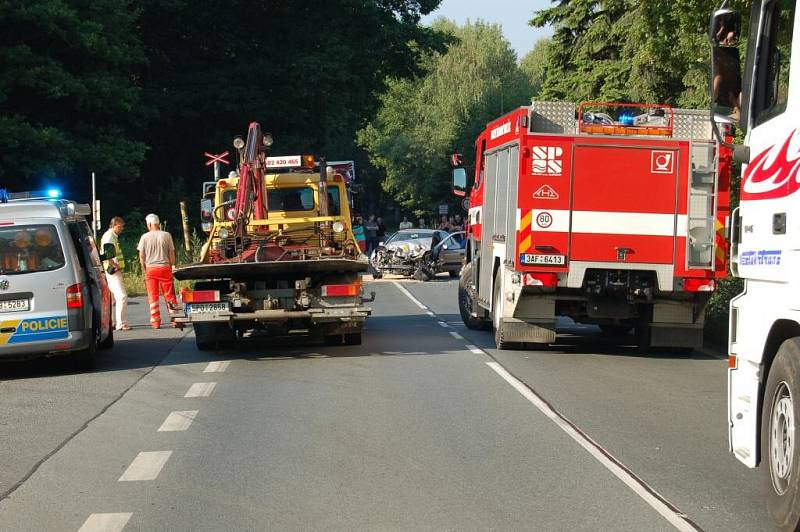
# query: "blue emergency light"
{"points": [[51, 193]]}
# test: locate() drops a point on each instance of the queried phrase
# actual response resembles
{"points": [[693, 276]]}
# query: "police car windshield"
{"points": [[29, 249]]}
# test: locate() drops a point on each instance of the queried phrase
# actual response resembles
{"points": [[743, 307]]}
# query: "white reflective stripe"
{"points": [[608, 223]]}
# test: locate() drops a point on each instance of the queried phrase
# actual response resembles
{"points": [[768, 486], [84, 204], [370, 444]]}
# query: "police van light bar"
{"points": [[6, 196]]}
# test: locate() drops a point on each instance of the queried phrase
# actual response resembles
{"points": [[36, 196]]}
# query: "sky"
{"points": [[513, 15]]}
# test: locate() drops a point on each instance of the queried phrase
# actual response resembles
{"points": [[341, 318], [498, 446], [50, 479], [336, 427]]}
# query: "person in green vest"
{"points": [[114, 268]]}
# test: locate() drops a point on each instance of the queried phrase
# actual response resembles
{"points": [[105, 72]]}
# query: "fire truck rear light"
{"points": [[6, 222], [541, 279], [200, 296], [733, 362], [75, 296], [699, 285], [341, 290]]}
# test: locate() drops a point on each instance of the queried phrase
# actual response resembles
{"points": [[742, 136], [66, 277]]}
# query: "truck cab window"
{"points": [[772, 78]]}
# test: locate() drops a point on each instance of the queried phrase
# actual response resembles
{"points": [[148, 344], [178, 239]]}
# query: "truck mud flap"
{"points": [[520, 331], [670, 335]]}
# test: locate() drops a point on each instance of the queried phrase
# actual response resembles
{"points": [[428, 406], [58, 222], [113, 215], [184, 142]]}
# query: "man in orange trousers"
{"points": [[157, 257]]}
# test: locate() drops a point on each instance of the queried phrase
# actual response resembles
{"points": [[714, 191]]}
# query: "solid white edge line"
{"points": [[200, 389], [456, 335], [146, 466], [105, 522], [411, 297], [475, 349], [178, 421], [675, 517], [217, 366]]}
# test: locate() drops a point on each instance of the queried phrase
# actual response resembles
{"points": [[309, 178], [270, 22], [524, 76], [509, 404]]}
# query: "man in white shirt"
{"points": [[157, 257], [114, 268], [405, 224]]}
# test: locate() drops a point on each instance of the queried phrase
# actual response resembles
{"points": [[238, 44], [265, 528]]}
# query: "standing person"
{"points": [[422, 224], [444, 225], [157, 257], [405, 224], [381, 230], [114, 272], [458, 224], [371, 230], [358, 232]]}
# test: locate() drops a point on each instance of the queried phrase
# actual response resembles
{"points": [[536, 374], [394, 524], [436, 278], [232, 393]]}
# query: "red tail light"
{"points": [[699, 285], [200, 296], [541, 279], [75, 296], [341, 290]]}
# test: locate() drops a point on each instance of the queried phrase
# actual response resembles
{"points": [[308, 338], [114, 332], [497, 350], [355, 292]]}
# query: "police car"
{"points": [[54, 297]]}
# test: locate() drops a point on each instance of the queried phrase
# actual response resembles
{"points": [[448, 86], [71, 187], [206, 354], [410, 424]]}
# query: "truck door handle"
{"points": [[544, 248]]}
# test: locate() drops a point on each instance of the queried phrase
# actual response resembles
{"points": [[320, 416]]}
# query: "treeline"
{"points": [[137, 91]]}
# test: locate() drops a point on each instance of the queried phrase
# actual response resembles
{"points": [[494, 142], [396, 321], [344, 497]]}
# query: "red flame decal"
{"points": [[772, 175]]}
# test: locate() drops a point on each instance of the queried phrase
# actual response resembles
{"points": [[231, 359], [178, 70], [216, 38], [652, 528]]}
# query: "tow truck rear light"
{"points": [[75, 296], [699, 285], [541, 279], [341, 290], [308, 161], [733, 362], [200, 296]]}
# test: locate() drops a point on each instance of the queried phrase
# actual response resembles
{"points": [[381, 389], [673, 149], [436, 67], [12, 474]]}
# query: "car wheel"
{"points": [[108, 343], [465, 303], [780, 450], [86, 359]]}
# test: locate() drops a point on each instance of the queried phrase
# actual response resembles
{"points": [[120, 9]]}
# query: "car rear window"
{"points": [[29, 249]]}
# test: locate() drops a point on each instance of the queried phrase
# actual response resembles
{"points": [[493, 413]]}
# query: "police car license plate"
{"points": [[550, 260], [15, 305], [207, 308]]}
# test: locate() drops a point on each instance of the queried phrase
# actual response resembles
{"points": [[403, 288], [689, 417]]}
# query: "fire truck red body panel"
{"points": [[569, 203]]}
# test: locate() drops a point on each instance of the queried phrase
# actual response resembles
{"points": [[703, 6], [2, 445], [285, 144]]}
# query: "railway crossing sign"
{"points": [[218, 158]]}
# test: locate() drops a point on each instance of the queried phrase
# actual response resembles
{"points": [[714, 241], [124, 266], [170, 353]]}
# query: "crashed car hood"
{"points": [[409, 248]]}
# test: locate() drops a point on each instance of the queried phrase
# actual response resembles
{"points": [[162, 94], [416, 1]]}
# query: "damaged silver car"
{"points": [[419, 253]]}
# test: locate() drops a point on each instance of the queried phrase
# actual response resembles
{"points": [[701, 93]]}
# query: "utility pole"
{"points": [[95, 208]]}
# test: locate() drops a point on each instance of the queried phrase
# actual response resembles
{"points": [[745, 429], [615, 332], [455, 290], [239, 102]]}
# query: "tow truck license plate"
{"points": [[15, 305], [555, 260], [207, 308]]}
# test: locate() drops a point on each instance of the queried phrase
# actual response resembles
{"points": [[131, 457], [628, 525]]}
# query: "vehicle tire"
{"points": [[352, 339], [108, 343], [497, 294], [333, 339], [213, 336], [422, 274], [616, 330], [453, 274], [377, 275], [780, 450], [465, 303], [86, 359]]}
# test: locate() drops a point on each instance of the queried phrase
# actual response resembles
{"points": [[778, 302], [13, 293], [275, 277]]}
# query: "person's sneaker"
{"points": [[173, 307]]}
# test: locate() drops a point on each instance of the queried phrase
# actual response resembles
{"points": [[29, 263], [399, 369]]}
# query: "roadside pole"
{"points": [[95, 208], [185, 219]]}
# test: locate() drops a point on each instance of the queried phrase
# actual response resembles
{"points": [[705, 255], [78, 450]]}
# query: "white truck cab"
{"points": [[764, 362]]}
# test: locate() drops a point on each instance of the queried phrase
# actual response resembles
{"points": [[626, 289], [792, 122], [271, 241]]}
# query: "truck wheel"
{"points": [[453, 274], [333, 339], [615, 330], [497, 314], [212, 336], [465, 303], [352, 339], [780, 450]]}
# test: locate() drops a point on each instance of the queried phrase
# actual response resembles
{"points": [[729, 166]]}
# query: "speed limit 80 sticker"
{"points": [[544, 220]]}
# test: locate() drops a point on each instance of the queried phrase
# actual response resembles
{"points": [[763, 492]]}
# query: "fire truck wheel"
{"points": [[780, 450], [465, 303]]}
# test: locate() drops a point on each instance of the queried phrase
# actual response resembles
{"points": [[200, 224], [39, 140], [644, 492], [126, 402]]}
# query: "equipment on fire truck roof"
{"points": [[597, 118]]}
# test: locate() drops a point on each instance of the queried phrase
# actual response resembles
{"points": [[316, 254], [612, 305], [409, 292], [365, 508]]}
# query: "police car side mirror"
{"points": [[109, 252]]}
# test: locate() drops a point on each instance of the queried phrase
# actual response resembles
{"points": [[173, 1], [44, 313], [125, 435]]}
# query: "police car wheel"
{"points": [[780, 450], [86, 359]]}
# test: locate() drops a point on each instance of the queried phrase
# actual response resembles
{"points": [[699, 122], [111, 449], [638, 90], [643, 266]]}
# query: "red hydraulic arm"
{"points": [[250, 196]]}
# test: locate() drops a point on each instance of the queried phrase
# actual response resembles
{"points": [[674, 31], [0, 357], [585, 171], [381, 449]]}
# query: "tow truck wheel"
{"points": [[780, 450], [212, 336], [465, 303], [352, 339], [453, 274]]}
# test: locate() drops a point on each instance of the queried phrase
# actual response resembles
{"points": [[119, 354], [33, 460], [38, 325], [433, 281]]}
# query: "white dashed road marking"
{"points": [[474, 349], [456, 335], [201, 389], [105, 522], [218, 366], [146, 466], [443, 324], [667, 510], [411, 297], [178, 421]]}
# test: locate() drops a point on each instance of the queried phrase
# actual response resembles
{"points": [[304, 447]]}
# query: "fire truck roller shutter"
{"points": [[486, 274]]}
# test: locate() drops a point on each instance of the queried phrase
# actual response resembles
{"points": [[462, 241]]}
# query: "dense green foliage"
{"points": [[137, 91], [424, 119]]}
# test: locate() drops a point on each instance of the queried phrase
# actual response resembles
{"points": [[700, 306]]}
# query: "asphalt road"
{"points": [[423, 427]]}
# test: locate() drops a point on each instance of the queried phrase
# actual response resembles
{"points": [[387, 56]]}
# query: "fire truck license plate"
{"points": [[554, 260], [207, 308], [15, 305]]}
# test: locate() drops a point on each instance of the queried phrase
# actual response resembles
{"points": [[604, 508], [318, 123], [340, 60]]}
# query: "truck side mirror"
{"points": [[206, 210], [459, 182], [726, 69], [725, 28]]}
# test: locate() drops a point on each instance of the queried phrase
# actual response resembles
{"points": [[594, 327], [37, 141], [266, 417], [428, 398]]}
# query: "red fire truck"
{"points": [[610, 214]]}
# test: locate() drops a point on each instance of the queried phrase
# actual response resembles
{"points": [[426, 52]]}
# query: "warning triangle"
{"points": [[546, 192]]}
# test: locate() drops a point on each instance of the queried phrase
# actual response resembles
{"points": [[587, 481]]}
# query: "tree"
{"points": [[534, 63], [69, 103], [422, 120]]}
